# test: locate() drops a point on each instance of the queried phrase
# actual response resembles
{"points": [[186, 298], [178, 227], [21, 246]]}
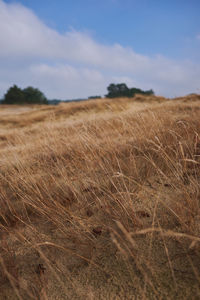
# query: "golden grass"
{"points": [[100, 200]]}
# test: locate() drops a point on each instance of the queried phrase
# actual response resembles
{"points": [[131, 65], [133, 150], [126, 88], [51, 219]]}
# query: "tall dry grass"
{"points": [[100, 200]]}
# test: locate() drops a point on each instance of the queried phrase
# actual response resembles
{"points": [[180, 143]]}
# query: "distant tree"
{"points": [[29, 95], [117, 90], [14, 96], [54, 101], [121, 90], [94, 97], [34, 96], [149, 92]]}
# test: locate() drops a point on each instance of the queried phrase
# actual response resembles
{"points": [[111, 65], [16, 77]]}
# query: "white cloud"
{"points": [[67, 81], [74, 64]]}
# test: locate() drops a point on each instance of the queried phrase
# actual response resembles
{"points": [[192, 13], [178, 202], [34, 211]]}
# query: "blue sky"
{"points": [[72, 49], [148, 26]]}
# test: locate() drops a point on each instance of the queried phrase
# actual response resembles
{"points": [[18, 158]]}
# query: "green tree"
{"points": [[34, 96], [14, 96], [149, 92], [117, 90], [121, 90], [29, 95]]}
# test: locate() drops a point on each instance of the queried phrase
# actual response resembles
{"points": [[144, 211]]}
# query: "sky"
{"points": [[75, 48]]}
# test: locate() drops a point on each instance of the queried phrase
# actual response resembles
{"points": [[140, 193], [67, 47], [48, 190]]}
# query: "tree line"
{"points": [[121, 90], [31, 95]]}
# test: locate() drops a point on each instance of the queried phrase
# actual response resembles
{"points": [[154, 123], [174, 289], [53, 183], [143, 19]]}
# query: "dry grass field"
{"points": [[101, 200]]}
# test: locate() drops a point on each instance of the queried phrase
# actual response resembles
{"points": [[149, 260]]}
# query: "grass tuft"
{"points": [[100, 200]]}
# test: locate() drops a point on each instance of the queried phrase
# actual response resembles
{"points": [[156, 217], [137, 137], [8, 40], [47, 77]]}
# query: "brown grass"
{"points": [[100, 200]]}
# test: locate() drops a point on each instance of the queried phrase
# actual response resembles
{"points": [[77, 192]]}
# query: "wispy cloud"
{"points": [[74, 64]]}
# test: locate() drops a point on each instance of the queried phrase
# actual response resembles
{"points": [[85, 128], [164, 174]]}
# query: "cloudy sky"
{"points": [[76, 48]]}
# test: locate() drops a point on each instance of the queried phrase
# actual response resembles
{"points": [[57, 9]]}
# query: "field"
{"points": [[101, 200]]}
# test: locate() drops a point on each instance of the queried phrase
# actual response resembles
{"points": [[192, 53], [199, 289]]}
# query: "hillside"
{"points": [[101, 199]]}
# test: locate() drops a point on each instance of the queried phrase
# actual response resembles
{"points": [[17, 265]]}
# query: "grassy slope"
{"points": [[100, 200]]}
